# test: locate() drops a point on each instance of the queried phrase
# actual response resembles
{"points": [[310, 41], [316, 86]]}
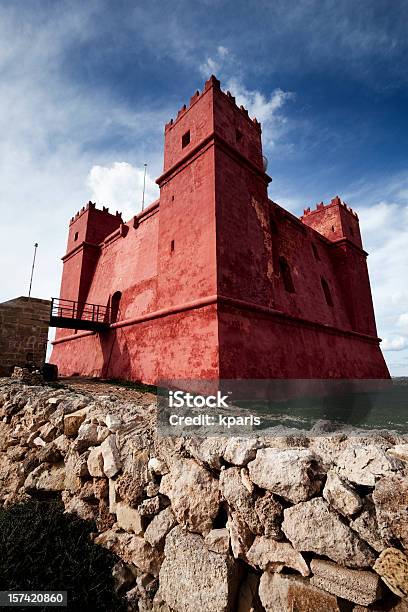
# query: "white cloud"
{"points": [[120, 186], [398, 343], [403, 320], [267, 109]]}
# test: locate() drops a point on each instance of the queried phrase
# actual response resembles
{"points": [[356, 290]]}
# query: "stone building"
{"points": [[24, 324], [215, 279]]}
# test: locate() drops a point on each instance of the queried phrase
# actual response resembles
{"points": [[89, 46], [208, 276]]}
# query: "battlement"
{"points": [[214, 83], [336, 201], [92, 206]]}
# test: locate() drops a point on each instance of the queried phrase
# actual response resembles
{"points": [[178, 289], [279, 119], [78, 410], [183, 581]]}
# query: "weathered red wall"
{"points": [[198, 270]]}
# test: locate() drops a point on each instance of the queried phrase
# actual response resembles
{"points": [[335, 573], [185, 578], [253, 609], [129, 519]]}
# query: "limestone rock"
{"points": [[366, 526], [111, 459], [280, 593], [294, 474], [392, 566], [160, 526], [156, 466], [399, 451], [359, 586], [113, 422], [47, 480], [129, 488], [193, 578], [148, 507], [87, 436], [340, 495], [238, 497], [112, 496], [132, 549], [95, 462], [240, 451], [128, 518], [217, 540], [312, 526], [240, 535], [74, 505], [270, 515], [208, 451], [390, 497], [365, 464], [73, 421], [193, 493], [270, 555]]}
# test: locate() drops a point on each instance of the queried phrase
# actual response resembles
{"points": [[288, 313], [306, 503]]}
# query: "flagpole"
{"points": [[32, 269]]}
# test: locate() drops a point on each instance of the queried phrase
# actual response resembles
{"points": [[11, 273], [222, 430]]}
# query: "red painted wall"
{"points": [[200, 270]]}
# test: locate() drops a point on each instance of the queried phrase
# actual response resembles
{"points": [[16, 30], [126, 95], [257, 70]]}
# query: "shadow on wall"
{"points": [[115, 353]]}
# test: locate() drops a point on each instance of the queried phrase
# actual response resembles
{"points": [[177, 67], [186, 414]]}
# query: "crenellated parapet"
{"points": [[214, 83], [91, 206], [336, 201]]}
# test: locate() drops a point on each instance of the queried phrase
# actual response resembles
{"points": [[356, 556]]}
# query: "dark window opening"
{"points": [[273, 225], [115, 306], [76, 236], [332, 228], [286, 275], [238, 135], [185, 140], [315, 252], [172, 246], [327, 292], [172, 198]]}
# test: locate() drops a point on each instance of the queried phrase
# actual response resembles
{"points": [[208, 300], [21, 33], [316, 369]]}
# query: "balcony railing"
{"points": [[70, 314]]}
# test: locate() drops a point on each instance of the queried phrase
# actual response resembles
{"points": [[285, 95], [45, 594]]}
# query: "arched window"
{"points": [[327, 292], [115, 306], [286, 275]]}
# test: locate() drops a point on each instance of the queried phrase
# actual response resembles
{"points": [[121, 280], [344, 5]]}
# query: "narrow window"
{"points": [[185, 140], [327, 293], [172, 246], [115, 306], [76, 236], [286, 275], [238, 135], [332, 228], [315, 252]]}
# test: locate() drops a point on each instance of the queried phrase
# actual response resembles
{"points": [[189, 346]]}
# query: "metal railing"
{"points": [[83, 311]]}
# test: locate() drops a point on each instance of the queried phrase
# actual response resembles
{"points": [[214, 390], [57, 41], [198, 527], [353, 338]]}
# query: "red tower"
{"points": [[214, 280]]}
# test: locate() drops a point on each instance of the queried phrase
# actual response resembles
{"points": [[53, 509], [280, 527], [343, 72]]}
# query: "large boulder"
{"points": [[193, 578], [280, 593], [313, 527], [392, 566], [193, 493], [365, 464], [360, 586], [294, 474], [390, 497], [341, 495]]}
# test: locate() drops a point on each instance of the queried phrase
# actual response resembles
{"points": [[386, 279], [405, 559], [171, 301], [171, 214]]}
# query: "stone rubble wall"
{"points": [[24, 324], [315, 524]]}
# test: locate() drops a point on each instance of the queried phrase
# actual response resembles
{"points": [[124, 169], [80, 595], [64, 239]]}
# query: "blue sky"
{"points": [[85, 90]]}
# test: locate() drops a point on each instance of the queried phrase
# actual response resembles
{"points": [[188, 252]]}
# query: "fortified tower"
{"points": [[214, 280]]}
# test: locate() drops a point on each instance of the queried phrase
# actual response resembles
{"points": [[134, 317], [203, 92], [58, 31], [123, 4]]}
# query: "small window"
{"points": [[315, 252], [332, 228], [172, 246], [76, 236], [286, 275], [185, 140], [172, 198], [327, 292], [238, 135]]}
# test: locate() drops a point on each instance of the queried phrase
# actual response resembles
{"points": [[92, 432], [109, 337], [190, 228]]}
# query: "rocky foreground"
{"points": [[278, 524]]}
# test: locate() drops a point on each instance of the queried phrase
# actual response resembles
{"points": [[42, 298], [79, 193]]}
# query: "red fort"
{"points": [[215, 280]]}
